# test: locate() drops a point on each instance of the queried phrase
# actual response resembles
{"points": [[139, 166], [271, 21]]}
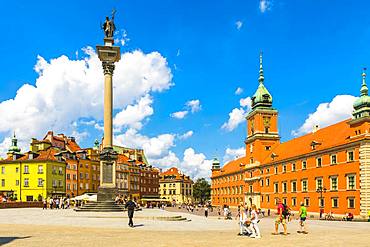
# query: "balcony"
{"points": [[252, 179]]}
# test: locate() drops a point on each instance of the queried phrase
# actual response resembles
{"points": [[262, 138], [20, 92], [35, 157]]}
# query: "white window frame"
{"points": [[331, 183], [331, 159], [354, 182], [353, 155], [317, 182], [317, 161], [304, 180], [332, 202]]}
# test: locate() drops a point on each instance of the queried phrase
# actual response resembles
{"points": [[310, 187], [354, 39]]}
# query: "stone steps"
{"points": [[103, 206]]}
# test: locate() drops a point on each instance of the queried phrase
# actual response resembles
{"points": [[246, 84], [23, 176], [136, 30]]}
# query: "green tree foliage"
{"points": [[202, 190]]}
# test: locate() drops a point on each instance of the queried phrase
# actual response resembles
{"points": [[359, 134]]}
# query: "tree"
{"points": [[202, 190]]}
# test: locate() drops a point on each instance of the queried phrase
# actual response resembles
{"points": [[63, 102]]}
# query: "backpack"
{"points": [[285, 210]]}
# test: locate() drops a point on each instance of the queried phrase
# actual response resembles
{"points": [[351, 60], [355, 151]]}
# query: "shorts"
{"points": [[279, 220], [303, 218]]}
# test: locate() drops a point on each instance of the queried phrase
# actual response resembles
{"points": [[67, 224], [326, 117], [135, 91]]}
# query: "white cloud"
{"points": [[186, 135], [85, 122], [231, 154], [179, 114], [238, 91], [340, 108], [194, 105], [68, 90], [238, 25], [133, 115], [122, 38], [237, 115], [178, 53], [265, 5], [195, 164]]}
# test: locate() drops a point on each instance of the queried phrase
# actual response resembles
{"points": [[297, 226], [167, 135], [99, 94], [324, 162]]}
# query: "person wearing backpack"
{"points": [[282, 212]]}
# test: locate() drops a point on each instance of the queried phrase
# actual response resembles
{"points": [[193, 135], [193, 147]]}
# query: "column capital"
{"points": [[108, 67]]}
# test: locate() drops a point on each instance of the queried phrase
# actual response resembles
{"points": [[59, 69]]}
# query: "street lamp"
{"points": [[321, 190]]}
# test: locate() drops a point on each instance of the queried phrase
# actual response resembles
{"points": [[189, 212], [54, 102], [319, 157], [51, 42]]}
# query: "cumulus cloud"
{"points": [[179, 114], [195, 164], [194, 105], [186, 135], [265, 5], [237, 115], [231, 154], [238, 91], [238, 25], [67, 90], [133, 115], [340, 108]]}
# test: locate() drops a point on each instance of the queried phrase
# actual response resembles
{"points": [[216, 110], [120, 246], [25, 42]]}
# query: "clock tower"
{"points": [[262, 130]]}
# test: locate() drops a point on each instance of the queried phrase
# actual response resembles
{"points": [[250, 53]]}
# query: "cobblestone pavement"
{"points": [[35, 227]]}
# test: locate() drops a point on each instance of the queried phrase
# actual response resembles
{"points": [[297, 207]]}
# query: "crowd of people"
{"points": [[56, 203]]}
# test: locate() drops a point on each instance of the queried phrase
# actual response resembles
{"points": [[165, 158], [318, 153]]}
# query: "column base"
{"points": [[107, 194]]}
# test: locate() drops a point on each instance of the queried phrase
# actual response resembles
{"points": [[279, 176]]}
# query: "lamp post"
{"points": [[321, 190]]}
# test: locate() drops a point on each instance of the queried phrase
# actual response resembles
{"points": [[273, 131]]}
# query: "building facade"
{"points": [[327, 169], [175, 186]]}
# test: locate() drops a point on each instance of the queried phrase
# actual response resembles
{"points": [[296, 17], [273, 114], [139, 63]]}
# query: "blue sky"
{"points": [[313, 51]]}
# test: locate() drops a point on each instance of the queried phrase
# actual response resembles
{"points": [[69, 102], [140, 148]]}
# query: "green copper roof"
{"points": [[14, 147], [364, 99], [262, 97]]}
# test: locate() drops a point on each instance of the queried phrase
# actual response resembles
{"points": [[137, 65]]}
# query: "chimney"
{"points": [[315, 128]]}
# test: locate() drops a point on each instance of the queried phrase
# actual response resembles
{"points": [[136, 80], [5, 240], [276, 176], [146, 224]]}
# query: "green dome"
{"points": [[362, 101], [262, 97], [14, 148]]}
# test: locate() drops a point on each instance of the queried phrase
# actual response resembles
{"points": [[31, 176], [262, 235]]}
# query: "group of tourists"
{"points": [[56, 202]]}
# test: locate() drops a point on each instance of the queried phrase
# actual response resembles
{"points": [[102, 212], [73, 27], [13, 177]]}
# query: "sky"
{"points": [[188, 69]]}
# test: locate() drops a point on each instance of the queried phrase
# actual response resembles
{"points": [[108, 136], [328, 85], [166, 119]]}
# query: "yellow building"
{"points": [[175, 187], [32, 176]]}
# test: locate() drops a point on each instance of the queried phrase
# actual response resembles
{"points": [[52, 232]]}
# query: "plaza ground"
{"points": [[35, 227]]}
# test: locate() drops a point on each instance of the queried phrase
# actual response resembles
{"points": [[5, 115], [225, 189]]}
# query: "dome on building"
{"points": [[362, 104]]}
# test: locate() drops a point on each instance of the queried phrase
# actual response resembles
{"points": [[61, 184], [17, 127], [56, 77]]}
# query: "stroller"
{"points": [[228, 215]]}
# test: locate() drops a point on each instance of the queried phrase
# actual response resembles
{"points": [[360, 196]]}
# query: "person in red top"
{"points": [[280, 219]]}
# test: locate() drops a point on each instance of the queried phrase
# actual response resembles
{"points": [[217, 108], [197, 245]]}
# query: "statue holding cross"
{"points": [[108, 26]]}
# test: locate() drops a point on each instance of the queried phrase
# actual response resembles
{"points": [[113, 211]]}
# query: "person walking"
{"points": [[280, 219], [44, 203], [254, 220], [243, 220], [51, 202], [206, 211], [219, 212], [302, 219], [130, 205], [57, 203]]}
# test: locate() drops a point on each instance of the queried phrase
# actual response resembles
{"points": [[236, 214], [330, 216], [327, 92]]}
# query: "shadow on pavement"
{"points": [[138, 225], [6, 240]]}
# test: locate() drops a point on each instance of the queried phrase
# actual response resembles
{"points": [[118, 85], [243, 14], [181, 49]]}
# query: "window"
{"points": [[68, 186], [54, 183], [261, 181], [17, 182], [321, 202], [267, 182], [334, 202], [285, 201], [3, 170], [250, 188], [276, 170], [40, 182], [351, 202], [293, 167], [60, 171], [68, 176], [284, 187], [350, 156], [74, 186], [268, 198], [294, 186], [319, 183], [294, 201], [87, 176], [318, 162], [40, 169], [333, 183], [284, 168], [54, 170], [16, 169], [351, 182], [87, 186], [81, 175], [276, 187], [26, 171], [304, 185], [2, 182], [267, 148], [307, 201], [74, 177], [333, 159], [304, 165], [26, 182]]}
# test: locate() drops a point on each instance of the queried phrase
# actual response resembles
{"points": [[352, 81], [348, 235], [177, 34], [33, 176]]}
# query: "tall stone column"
{"points": [[108, 54]]}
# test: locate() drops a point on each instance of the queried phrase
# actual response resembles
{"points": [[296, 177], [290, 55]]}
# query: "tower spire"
{"points": [[364, 90], [261, 77]]}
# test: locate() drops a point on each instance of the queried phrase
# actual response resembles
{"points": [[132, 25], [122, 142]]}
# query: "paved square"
{"points": [[35, 227]]}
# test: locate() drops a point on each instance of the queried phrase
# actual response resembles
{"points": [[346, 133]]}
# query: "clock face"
{"points": [[266, 121]]}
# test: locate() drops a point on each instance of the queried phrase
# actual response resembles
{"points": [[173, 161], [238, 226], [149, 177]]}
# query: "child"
{"points": [[254, 220]]}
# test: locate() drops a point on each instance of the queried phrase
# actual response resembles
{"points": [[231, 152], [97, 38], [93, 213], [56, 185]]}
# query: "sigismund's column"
{"points": [[108, 54]]}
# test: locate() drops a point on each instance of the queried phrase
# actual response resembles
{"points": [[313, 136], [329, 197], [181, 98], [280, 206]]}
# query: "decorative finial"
{"points": [[364, 90], [261, 77]]}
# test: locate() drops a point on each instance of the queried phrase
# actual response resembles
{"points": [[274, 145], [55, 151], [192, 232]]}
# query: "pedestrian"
{"points": [[62, 203], [206, 211], [67, 203], [238, 213], [302, 219], [280, 219], [244, 222], [44, 203], [130, 205], [321, 212], [51, 202], [254, 220], [219, 212], [57, 203]]}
